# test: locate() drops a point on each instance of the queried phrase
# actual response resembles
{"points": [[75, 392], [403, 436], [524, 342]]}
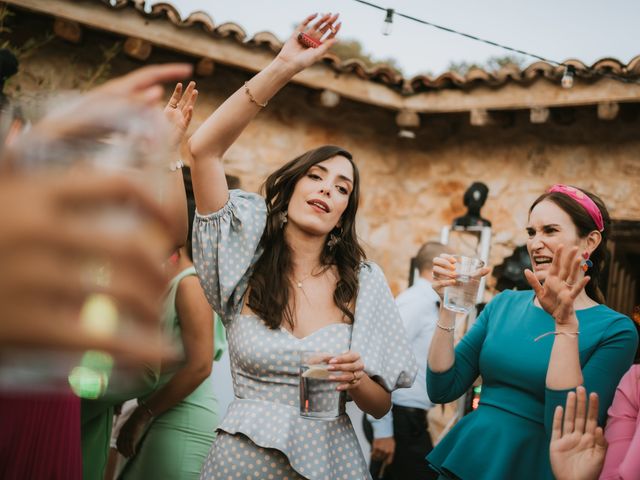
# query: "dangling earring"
{"points": [[585, 263], [283, 218], [334, 239]]}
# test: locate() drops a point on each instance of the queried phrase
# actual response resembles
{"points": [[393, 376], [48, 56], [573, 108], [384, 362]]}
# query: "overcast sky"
{"points": [[558, 29]]}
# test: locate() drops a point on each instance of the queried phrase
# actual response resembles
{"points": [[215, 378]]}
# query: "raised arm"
{"points": [[214, 137], [450, 372], [609, 361]]}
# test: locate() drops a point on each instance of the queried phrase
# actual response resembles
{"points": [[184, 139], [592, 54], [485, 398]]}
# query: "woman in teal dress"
{"points": [[181, 415], [531, 347]]}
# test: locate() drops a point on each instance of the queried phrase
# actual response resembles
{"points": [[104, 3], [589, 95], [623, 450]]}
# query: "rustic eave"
{"points": [[227, 45]]}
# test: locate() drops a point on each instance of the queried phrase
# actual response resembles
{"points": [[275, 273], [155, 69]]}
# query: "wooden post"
{"points": [[137, 48], [67, 30]]}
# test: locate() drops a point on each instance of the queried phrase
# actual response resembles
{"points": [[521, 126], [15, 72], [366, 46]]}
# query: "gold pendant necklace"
{"points": [[300, 282]]}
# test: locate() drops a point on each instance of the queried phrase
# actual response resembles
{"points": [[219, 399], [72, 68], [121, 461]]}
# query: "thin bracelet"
{"points": [[252, 98], [145, 407], [556, 332], [448, 329]]}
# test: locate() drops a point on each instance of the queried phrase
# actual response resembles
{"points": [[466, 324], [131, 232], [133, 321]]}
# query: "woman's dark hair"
{"points": [[270, 283], [191, 208], [585, 225]]}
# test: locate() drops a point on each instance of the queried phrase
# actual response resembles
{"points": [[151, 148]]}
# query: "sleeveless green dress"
{"points": [[176, 443]]}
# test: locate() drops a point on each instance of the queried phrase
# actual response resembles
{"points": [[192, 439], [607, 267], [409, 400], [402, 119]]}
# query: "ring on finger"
{"points": [[354, 379], [173, 105], [569, 284], [332, 28]]}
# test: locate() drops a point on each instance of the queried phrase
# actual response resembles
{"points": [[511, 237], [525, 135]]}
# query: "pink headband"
{"points": [[584, 200]]}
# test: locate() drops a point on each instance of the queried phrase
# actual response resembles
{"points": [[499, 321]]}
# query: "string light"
{"points": [[567, 77], [387, 26], [570, 68]]}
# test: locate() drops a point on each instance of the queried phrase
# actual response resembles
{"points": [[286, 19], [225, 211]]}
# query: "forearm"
{"points": [[209, 143], [223, 127], [565, 371], [182, 384], [441, 352], [371, 397]]}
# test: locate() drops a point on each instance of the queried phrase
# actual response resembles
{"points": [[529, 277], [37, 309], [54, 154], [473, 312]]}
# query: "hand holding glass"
{"points": [[318, 396], [461, 297]]}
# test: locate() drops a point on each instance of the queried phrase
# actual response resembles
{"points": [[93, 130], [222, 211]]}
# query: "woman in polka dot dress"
{"points": [[286, 274]]}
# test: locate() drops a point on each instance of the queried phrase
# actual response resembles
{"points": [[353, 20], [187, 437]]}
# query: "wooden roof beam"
{"points": [[539, 115], [137, 48], [205, 67], [608, 110], [67, 30], [161, 33]]}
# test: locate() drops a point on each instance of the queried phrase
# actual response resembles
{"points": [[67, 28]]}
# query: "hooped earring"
{"points": [[334, 239], [585, 263]]}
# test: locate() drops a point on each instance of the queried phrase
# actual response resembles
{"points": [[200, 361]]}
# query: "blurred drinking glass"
{"points": [[117, 138]]}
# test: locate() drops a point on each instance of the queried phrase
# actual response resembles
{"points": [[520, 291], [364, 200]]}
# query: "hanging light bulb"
{"points": [[387, 26], [567, 77]]}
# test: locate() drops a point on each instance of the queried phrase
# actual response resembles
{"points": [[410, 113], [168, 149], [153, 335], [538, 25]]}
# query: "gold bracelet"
{"points": [[556, 332], [252, 98], [448, 329]]}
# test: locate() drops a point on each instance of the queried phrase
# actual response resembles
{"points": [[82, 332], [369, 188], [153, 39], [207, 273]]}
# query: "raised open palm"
{"points": [[179, 111], [562, 285], [577, 446], [323, 31]]}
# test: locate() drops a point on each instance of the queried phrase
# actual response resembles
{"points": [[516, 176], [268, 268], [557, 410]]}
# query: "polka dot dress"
{"points": [[263, 435]]}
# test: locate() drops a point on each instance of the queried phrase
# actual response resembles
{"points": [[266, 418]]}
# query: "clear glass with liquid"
{"points": [[462, 297], [319, 398]]}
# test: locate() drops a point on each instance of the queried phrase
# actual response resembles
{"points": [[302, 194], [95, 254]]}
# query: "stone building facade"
{"points": [[518, 134]]}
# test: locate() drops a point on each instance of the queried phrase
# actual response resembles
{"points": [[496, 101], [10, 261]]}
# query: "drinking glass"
{"points": [[461, 297], [319, 398]]}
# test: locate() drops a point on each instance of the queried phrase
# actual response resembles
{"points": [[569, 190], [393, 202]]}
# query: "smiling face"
{"points": [[549, 227], [321, 196]]}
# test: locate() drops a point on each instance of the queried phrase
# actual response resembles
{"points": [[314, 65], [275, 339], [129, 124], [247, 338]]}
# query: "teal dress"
{"points": [[508, 436], [176, 443]]}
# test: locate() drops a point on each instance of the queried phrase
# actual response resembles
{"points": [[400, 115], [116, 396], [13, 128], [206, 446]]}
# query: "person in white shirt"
{"points": [[401, 438]]}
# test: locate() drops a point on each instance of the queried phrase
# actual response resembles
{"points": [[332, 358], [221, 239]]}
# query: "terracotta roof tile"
{"points": [[385, 74]]}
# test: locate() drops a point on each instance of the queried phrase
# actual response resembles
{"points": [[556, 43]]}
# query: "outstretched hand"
{"points": [[179, 111], [562, 285], [578, 446], [324, 31]]}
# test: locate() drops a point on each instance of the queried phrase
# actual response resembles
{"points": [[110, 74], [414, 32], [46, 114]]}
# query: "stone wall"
{"points": [[411, 188]]}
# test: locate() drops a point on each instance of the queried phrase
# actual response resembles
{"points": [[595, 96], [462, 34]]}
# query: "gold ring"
{"points": [[355, 379], [173, 105], [332, 28], [569, 284]]}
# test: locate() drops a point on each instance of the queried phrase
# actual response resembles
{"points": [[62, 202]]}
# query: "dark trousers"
{"points": [[413, 443]]}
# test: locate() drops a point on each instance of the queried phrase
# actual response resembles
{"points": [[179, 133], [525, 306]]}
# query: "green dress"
{"points": [[176, 443], [508, 436]]}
